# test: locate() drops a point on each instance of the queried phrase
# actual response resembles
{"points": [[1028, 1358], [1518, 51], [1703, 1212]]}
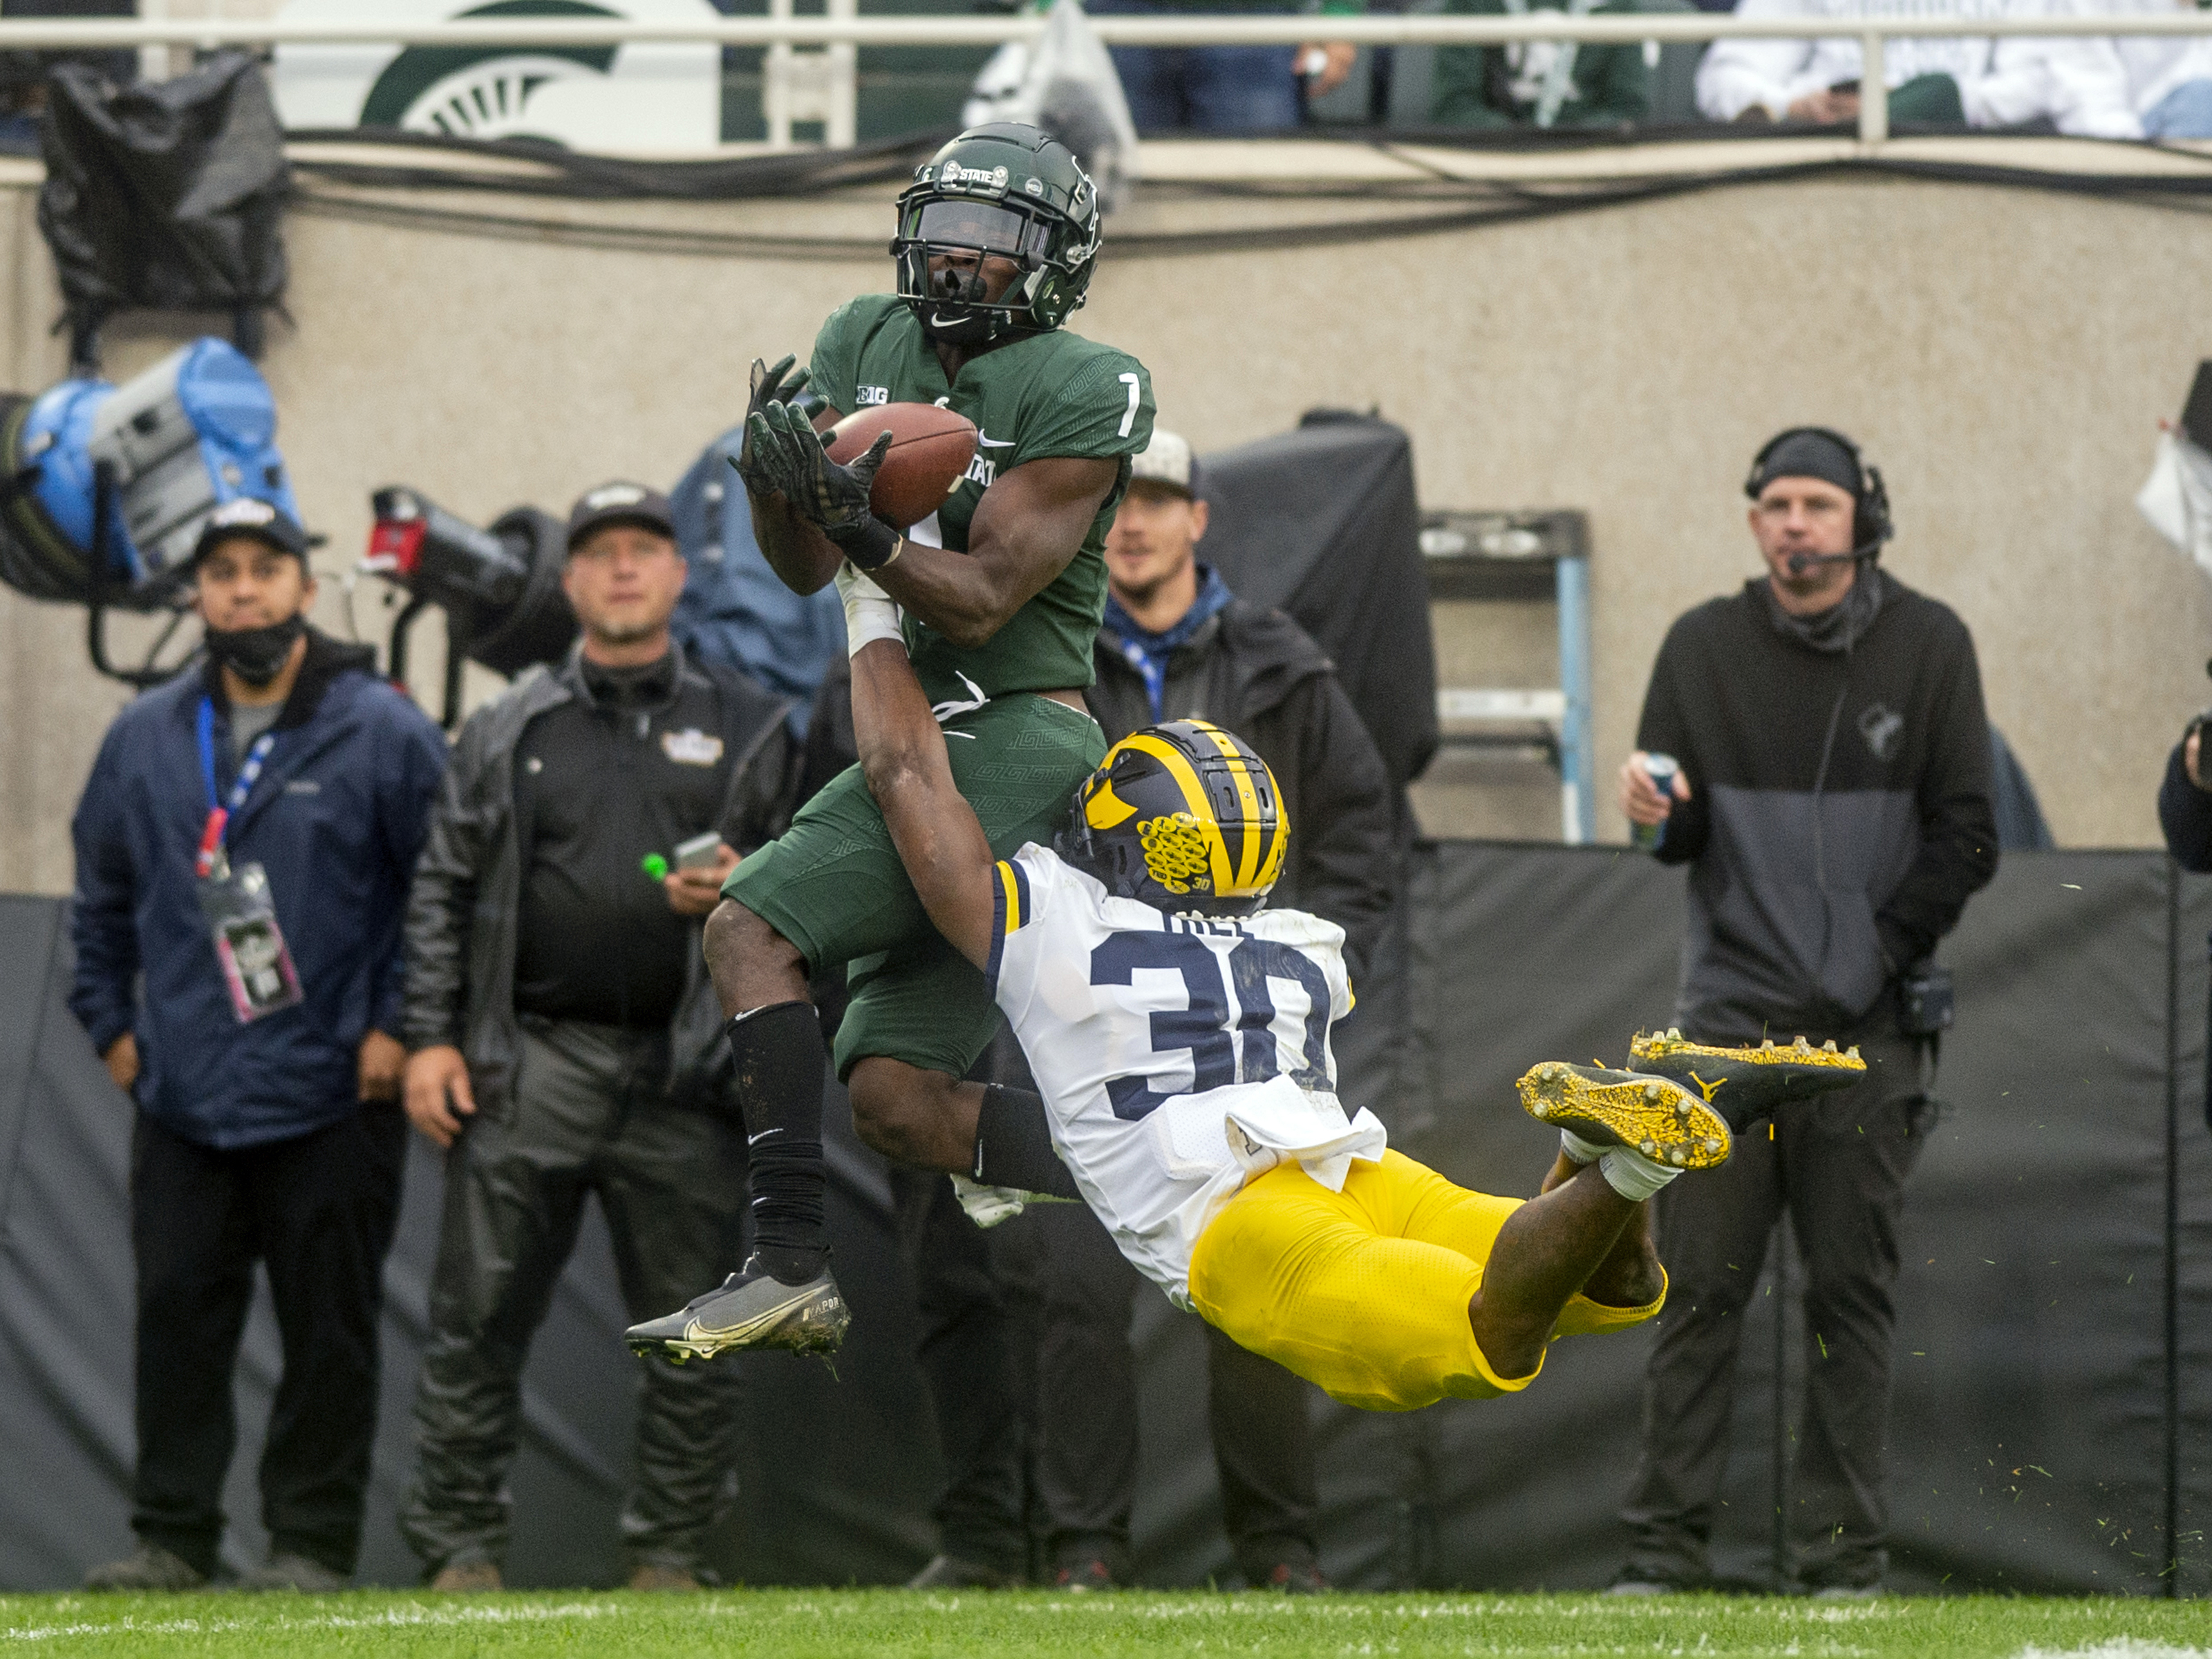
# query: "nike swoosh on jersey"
{"points": [[995, 443]]}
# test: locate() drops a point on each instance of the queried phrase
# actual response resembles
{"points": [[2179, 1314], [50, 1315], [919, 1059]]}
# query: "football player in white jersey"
{"points": [[1179, 1033]]}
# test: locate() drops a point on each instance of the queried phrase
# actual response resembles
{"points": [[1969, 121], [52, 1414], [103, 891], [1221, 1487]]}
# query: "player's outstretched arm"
{"points": [[935, 829], [1026, 530], [796, 550]]}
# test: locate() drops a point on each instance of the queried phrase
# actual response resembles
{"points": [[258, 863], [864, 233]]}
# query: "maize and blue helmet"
{"points": [[1182, 816]]}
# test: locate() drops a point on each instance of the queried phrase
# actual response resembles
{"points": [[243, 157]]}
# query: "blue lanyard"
{"points": [[219, 811]]}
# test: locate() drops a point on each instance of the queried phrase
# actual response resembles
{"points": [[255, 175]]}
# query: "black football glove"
{"points": [[832, 498], [764, 470]]}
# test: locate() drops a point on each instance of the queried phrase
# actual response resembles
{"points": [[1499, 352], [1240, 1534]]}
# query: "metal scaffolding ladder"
{"points": [[1480, 556]]}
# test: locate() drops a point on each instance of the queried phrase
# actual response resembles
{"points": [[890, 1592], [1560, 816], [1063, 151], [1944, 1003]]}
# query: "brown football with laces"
{"points": [[931, 448]]}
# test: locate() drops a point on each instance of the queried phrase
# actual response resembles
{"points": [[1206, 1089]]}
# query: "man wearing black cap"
{"points": [[243, 847], [564, 1033], [1833, 806]]}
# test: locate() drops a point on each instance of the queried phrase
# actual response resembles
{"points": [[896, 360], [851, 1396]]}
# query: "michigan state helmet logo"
{"points": [[999, 196], [1182, 816]]}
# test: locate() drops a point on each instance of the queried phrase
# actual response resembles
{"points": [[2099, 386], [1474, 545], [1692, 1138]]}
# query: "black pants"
{"points": [[1837, 1167], [317, 1211], [975, 1351], [1086, 1413], [587, 1115]]}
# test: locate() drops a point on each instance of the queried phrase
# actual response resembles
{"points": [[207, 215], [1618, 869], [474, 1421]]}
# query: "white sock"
{"points": [[1578, 1150], [1633, 1175]]}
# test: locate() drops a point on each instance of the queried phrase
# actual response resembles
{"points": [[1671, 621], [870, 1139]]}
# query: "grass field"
{"points": [[887, 1624]]}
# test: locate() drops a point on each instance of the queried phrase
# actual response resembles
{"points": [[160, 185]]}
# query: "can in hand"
{"points": [[1662, 770]]}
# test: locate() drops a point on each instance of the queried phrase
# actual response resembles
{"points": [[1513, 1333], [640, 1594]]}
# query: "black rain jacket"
{"points": [[465, 912]]}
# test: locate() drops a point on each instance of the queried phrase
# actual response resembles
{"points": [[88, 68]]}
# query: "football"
{"points": [[930, 451]]}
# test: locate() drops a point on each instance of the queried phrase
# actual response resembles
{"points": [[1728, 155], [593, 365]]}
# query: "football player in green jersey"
{"points": [[1003, 592]]}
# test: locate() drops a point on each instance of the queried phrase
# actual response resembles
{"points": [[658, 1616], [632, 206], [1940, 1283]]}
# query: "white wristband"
{"points": [[870, 614]]}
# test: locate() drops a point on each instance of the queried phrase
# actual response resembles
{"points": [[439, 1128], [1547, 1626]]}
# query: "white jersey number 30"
{"points": [[1224, 1048]]}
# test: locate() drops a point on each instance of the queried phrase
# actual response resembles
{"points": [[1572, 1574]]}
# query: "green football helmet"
{"points": [[1002, 191]]}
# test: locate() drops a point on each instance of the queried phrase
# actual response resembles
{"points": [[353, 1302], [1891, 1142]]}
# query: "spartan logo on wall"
{"points": [[645, 98]]}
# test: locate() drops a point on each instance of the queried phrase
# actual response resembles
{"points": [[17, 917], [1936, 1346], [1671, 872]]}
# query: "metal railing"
{"points": [[824, 84]]}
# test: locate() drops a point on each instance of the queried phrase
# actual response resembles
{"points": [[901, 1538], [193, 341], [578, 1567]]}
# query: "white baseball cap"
{"points": [[1166, 460]]}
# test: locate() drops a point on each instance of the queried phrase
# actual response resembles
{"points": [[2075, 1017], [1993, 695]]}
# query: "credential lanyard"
{"points": [[219, 810]]}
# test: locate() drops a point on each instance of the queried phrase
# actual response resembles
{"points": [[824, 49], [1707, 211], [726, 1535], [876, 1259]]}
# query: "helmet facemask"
{"points": [[963, 223]]}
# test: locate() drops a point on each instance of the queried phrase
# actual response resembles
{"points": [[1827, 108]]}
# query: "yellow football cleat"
{"points": [[1660, 1119], [1745, 1084]]}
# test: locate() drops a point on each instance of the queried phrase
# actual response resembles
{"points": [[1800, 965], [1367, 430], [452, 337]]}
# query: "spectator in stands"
{"points": [[1833, 806], [1177, 644], [2185, 804], [1541, 83], [2161, 85], [243, 847], [565, 1040], [1225, 90], [1970, 81]]}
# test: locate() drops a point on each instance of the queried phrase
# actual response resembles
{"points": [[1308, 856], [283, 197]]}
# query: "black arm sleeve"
{"points": [[1958, 823], [1343, 848], [1664, 729]]}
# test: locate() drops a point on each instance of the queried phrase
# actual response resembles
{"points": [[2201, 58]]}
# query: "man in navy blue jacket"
{"points": [[243, 851]]}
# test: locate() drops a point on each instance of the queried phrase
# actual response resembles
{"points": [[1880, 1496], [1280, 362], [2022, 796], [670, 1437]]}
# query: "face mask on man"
{"points": [[256, 655]]}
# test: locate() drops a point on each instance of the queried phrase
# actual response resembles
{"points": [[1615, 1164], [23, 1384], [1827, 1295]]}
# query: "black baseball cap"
{"points": [[249, 515], [620, 502]]}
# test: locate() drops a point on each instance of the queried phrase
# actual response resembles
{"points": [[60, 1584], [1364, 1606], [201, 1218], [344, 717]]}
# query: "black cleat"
{"points": [[1745, 1085], [751, 1309], [1660, 1119]]}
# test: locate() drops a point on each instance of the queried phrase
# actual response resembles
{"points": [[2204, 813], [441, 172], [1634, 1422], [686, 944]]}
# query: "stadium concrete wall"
{"points": [[2004, 354], [2052, 1426]]}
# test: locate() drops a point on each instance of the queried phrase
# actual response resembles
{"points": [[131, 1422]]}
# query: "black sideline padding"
{"points": [[2054, 1408], [1324, 523]]}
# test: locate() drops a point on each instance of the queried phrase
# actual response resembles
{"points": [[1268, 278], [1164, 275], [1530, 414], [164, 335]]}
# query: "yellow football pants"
{"points": [[1364, 1292]]}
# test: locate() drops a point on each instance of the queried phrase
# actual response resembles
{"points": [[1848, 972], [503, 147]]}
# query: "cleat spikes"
{"points": [[1645, 1112], [1769, 1043], [1852, 1053], [1829, 1047]]}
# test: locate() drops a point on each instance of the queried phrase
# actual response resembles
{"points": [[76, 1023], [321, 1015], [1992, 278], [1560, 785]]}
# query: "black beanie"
{"points": [[1807, 453]]}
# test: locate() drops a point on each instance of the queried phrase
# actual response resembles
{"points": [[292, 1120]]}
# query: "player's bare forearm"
{"points": [[936, 831], [795, 550], [1027, 529]]}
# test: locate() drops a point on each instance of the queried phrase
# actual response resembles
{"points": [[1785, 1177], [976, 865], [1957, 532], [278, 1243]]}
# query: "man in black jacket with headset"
{"points": [[1833, 806], [565, 1038]]}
